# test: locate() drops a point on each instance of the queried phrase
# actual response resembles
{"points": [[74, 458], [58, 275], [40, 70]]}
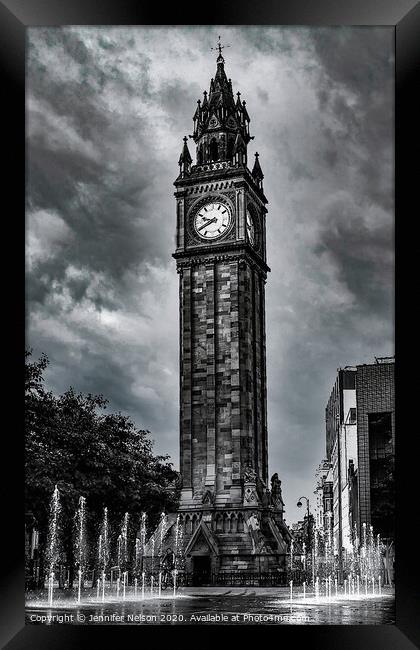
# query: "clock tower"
{"points": [[231, 518]]}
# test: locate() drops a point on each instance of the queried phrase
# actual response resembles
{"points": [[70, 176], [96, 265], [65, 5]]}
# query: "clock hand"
{"points": [[207, 223]]}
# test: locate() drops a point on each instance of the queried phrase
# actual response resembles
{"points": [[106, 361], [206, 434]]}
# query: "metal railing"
{"points": [[241, 578]]}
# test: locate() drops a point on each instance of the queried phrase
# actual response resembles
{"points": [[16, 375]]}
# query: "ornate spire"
{"points": [[257, 171], [185, 159], [219, 120]]}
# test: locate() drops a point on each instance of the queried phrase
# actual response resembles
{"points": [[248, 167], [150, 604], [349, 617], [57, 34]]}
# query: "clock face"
{"points": [[250, 229], [212, 220]]}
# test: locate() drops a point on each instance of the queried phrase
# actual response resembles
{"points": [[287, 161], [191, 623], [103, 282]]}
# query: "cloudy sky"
{"points": [[106, 112]]}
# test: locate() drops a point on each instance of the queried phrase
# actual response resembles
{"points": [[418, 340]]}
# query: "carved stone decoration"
{"points": [[199, 494], [250, 495], [208, 498], [266, 498], [262, 548], [276, 494], [250, 488], [250, 475], [253, 522]]}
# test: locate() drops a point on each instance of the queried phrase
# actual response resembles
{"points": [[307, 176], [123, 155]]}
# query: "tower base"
{"points": [[219, 545]]}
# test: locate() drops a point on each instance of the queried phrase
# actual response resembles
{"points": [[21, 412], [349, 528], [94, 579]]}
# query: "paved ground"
{"points": [[217, 605]]}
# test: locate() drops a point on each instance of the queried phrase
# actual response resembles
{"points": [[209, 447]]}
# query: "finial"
{"points": [[256, 154], [185, 139], [219, 47]]}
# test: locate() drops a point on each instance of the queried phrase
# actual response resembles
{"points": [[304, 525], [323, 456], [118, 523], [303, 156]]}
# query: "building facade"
{"points": [[323, 497], [341, 448], [375, 393], [360, 442], [232, 516]]}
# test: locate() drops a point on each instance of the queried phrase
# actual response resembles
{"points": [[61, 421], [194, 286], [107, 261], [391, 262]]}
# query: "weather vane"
{"points": [[219, 47]]}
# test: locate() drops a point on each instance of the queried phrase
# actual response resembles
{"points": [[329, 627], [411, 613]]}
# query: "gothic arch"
{"points": [[230, 145], [226, 523], [188, 527], [194, 523], [214, 149]]}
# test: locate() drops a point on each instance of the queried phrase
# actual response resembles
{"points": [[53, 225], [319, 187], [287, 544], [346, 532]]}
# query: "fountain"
{"points": [[103, 551], [177, 546], [152, 542], [80, 543], [124, 583], [53, 546], [140, 564], [162, 532], [119, 543], [124, 542], [133, 568]]}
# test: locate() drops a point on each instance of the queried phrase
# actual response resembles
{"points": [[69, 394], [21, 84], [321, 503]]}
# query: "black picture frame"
{"points": [[15, 17]]}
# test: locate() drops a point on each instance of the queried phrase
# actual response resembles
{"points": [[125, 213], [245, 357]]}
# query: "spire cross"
{"points": [[219, 46]]}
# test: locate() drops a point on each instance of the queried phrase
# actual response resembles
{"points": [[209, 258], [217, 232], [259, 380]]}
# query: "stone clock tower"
{"points": [[231, 518]]}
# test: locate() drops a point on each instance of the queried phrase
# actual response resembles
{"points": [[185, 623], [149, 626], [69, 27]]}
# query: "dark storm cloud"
{"points": [[97, 190], [107, 110], [356, 85], [363, 256]]}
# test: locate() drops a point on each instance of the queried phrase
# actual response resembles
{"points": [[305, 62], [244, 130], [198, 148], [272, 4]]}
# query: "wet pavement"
{"points": [[219, 606]]}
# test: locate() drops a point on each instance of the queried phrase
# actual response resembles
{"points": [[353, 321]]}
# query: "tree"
{"points": [[71, 441]]}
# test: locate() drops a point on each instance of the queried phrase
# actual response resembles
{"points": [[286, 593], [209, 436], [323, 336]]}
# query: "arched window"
{"points": [[229, 152], [240, 523], [214, 149], [188, 529], [226, 523]]}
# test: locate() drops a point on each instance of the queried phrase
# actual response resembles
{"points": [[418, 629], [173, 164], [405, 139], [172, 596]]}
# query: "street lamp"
{"points": [[299, 505]]}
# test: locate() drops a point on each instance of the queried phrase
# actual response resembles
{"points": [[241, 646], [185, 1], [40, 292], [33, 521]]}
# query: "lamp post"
{"points": [[299, 505]]}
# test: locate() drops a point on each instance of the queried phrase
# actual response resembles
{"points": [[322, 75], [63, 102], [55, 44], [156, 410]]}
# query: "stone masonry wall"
{"points": [[223, 377]]}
